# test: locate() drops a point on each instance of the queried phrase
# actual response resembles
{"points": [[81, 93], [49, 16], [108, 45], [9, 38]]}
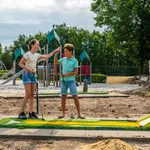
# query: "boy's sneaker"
{"points": [[33, 115], [22, 115]]}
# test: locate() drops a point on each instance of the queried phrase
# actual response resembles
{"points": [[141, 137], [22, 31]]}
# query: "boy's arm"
{"points": [[56, 59], [75, 72]]}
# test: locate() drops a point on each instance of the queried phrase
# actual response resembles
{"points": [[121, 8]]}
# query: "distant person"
{"points": [[28, 63], [69, 71]]}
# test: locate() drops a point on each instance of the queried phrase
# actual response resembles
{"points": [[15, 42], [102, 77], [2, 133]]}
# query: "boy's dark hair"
{"points": [[69, 47], [32, 42]]}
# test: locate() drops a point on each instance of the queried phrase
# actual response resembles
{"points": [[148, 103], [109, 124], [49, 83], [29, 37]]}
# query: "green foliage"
{"points": [[96, 78], [99, 78], [129, 25], [6, 58], [0, 49]]}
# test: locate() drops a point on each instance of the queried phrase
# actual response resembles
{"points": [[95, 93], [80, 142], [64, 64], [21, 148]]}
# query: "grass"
{"points": [[57, 93]]}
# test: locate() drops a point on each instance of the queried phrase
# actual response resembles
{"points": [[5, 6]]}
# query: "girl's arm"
{"points": [[21, 64], [50, 54]]}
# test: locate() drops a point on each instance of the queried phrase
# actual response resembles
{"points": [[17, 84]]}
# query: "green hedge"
{"points": [[96, 78], [99, 78], [4, 72]]}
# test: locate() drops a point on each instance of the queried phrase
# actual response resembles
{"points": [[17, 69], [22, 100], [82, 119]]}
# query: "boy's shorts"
{"points": [[28, 77], [68, 84]]}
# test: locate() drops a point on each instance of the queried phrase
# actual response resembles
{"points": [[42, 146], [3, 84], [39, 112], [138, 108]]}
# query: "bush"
{"points": [[99, 78], [4, 72], [96, 78]]}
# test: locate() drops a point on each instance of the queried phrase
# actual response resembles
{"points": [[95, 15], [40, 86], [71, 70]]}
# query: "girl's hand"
{"points": [[31, 70], [57, 50]]}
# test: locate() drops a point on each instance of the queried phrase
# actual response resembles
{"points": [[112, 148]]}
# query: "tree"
{"points": [[0, 49], [6, 58], [129, 22]]}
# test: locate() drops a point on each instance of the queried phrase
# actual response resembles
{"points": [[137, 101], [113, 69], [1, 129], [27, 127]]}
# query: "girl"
{"points": [[28, 63]]}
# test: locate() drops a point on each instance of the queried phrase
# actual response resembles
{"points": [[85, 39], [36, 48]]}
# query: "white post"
{"points": [[14, 67]]}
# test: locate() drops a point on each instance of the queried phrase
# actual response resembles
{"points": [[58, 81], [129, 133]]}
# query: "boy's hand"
{"points": [[64, 75]]}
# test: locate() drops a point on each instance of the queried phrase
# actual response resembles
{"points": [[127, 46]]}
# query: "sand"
{"points": [[111, 144]]}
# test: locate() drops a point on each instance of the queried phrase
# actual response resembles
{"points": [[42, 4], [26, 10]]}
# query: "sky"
{"points": [[31, 16]]}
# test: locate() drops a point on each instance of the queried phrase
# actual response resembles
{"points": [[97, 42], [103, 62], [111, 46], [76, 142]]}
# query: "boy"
{"points": [[69, 71]]}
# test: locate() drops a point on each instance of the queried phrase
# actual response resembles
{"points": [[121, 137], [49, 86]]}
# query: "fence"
{"points": [[118, 70]]}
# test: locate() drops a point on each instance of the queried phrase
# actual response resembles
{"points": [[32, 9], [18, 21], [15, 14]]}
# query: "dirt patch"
{"points": [[111, 144], [57, 144], [141, 91], [120, 80], [132, 106]]}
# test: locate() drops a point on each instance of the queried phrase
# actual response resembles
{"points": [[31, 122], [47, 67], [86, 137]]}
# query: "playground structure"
{"points": [[45, 70], [48, 73], [15, 70], [2, 66], [86, 68]]}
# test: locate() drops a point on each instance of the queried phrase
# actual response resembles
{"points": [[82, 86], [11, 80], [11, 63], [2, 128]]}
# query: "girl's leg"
{"points": [[27, 96], [31, 102]]}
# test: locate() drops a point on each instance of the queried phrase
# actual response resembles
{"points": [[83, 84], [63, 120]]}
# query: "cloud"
{"points": [[31, 16], [44, 5], [24, 22]]}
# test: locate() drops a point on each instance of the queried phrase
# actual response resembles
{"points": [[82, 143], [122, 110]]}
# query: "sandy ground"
{"points": [[133, 106], [56, 144]]}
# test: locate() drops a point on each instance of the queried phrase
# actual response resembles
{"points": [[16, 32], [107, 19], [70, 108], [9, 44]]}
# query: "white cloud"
{"points": [[24, 22], [44, 5], [31, 16], [26, 4]]}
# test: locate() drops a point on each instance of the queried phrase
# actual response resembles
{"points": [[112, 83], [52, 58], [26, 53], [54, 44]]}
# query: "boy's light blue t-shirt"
{"points": [[68, 65]]}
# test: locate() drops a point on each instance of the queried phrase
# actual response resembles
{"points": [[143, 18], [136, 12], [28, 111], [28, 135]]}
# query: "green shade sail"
{"points": [[19, 52]]}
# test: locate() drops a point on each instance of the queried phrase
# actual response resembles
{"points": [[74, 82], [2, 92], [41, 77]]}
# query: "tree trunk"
{"points": [[141, 67], [142, 49]]}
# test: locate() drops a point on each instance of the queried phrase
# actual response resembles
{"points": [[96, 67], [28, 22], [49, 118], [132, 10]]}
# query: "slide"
{"points": [[7, 74], [13, 77]]}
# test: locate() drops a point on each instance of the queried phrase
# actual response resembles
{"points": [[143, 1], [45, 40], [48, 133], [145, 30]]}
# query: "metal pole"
{"points": [[47, 72], [60, 66], [80, 72], [90, 73], [37, 91], [44, 71]]}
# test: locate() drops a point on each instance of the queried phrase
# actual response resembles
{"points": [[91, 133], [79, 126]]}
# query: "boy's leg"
{"points": [[77, 103], [63, 104], [64, 88], [73, 91]]}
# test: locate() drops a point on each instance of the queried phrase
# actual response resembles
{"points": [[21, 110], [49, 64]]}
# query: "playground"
{"points": [[110, 112]]}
